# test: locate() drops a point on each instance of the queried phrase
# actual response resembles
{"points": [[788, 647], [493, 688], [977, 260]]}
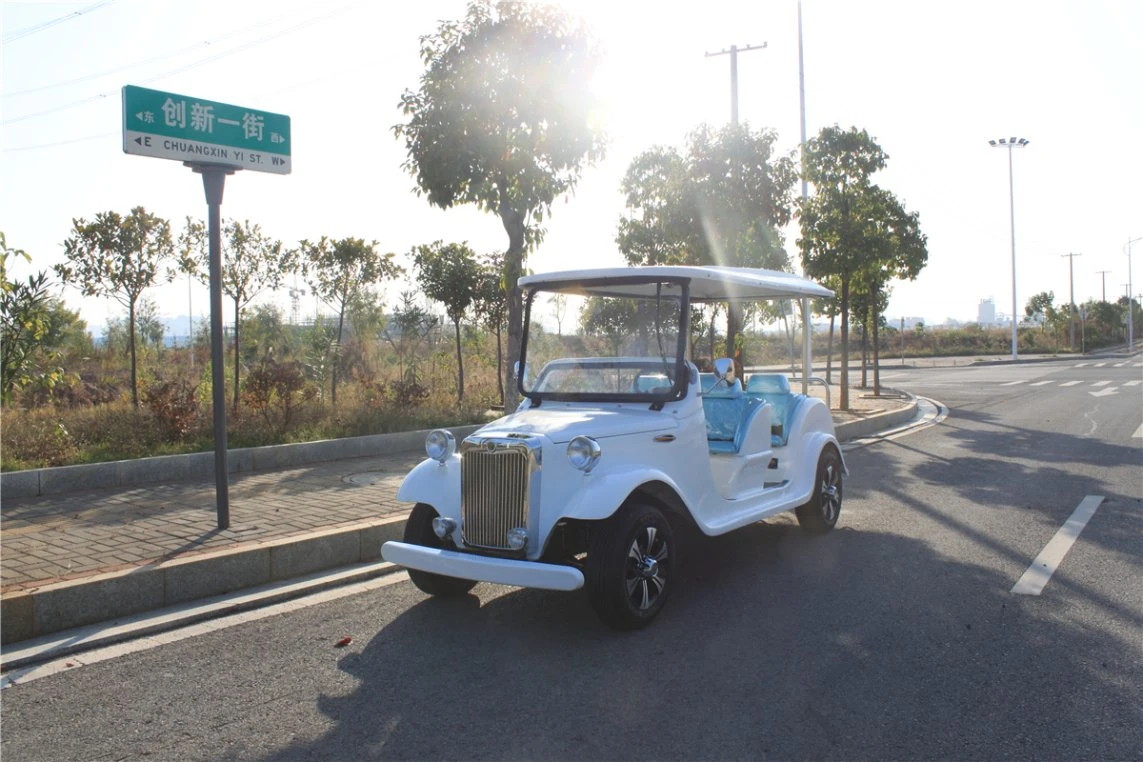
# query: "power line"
{"points": [[30, 30], [136, 64], [187, 67]]}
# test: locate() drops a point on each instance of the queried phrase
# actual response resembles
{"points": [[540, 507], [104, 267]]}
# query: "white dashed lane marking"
{"points": [[1040, 383], [1102, 383], [1071, 383], [1013, 383], [1045, 565]]}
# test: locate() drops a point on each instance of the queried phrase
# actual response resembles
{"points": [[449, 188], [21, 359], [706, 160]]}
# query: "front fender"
{"points": [[434, 483], [603, 491]]}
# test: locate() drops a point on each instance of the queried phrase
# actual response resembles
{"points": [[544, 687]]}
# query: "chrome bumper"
{"points": [[501, 571]]}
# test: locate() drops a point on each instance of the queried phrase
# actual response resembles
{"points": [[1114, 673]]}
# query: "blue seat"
{"points": [[775, 389], [728, 414]]}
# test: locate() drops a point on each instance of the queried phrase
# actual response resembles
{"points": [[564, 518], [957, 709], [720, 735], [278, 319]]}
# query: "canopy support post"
{"points": [[807, 354]]}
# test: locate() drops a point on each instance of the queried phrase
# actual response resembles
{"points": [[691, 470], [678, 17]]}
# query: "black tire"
{"points": [[821, 513], [419, 531], [629, 563]]}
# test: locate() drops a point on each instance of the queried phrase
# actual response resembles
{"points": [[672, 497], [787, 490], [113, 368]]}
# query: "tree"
{"points": [[117, 257], [503, 119], [839, 163], [450, 275], [491, 304], [24, 322], [612, 319], [895, 249], [719, 204], [251, 262], [1040, 308], [338, 271]]}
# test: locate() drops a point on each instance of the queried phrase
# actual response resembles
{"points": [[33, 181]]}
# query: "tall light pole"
{"points": [[1130, 306], [1072, 298], [1011, 143]]}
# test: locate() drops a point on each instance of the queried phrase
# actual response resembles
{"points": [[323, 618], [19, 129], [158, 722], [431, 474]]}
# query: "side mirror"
{"points": [[724, 369]]}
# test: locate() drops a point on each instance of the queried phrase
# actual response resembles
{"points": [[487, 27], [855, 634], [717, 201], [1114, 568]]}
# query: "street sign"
{"points": [[170, 126]]}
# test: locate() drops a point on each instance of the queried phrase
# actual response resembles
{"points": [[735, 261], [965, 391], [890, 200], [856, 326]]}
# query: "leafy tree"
{"points": [[251, 263], [895, 249], [503, 119], [1040, 308], [118, 257], [408, 329], [839, 163], [491, 305], [613, 319], [338, 271], [24, 322], [450, 275], [720, 203], [149, 329]]}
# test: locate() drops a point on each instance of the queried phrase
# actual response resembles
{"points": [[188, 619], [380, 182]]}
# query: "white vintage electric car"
{"points": [[619, 441]]}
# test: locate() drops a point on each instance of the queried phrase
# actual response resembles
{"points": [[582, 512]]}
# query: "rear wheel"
{"points": [[629, 566], [821, 513], [419, 531]]}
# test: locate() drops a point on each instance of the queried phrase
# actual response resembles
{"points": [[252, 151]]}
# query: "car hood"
{"points": [[560, 424]]}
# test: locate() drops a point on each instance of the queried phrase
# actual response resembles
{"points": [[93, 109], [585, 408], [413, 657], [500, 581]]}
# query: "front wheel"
{"points": [[629, 566], [820, 514], [419, 531]]}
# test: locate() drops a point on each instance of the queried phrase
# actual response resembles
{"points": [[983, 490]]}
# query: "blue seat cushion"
{"points": [[775, 389]]}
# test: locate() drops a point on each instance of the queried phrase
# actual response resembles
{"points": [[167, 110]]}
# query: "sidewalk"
{"points": [[79, 558]]}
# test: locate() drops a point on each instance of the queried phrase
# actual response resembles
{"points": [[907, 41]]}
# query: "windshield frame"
{"points": [[682, 378]]}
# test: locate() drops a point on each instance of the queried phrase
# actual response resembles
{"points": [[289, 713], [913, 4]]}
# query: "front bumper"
{"points": [[501, 571]]}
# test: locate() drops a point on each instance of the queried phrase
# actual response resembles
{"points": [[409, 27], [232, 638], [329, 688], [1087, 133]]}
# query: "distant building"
{"points": [[986, 312]]}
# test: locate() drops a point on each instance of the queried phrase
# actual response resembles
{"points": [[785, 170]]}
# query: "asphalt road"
{"points": [[894, 637]]}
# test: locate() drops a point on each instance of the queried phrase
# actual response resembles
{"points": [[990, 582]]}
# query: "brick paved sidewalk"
{"points": [[59, 537]]}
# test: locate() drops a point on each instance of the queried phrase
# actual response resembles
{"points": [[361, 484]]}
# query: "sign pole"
{"points": [[213, 182]]}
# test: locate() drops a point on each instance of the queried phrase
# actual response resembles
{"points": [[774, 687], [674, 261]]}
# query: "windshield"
{"points": [[593, 346]]}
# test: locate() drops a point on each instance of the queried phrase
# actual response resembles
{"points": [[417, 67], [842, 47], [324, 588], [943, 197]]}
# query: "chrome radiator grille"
{"points": [[494, 493]]}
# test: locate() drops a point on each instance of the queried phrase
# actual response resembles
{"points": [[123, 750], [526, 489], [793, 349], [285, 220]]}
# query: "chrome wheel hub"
{"points": [[646, 573]]}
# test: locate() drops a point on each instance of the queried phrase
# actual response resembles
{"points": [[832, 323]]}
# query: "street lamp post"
{"points": [[1130, 306], [1011, 143]]}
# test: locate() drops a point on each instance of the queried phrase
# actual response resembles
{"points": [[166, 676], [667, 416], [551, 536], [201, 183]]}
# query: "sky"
{"points": [[932, 82]]}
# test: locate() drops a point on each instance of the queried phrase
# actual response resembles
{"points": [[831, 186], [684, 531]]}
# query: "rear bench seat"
{"points": [[775, 389]]}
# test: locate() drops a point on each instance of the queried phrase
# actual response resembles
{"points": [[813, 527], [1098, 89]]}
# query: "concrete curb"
{"points": [[200, 465], [114, 595]]}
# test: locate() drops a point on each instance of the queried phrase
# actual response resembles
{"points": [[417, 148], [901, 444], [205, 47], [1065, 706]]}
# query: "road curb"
{"points": [[58, 606]]}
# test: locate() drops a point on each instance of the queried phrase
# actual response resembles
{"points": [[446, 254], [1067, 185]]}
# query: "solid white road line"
{"points": [[1101, 383], [1045, 565], [1040, 383], [1013, 383], [1138, 432], [1071, 383], [23, 675]]}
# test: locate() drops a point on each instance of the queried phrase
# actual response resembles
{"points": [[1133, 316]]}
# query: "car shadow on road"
{"points": [[776, 644]]}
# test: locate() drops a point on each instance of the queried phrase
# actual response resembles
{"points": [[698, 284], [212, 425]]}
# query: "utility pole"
{"points": [[802, 102], [733, 52], [733, 312], [1072, 299], [1104, 274]]}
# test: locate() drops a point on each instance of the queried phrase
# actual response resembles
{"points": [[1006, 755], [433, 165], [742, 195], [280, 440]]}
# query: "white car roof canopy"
{"points": [[707, 284]]}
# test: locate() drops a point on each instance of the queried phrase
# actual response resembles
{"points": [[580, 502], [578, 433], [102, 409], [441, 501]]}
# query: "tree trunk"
{"points": [[876, 350], [459, 366], [513, 265], [829, 350], [131, 345], [237, 363], [844, 403], [713, 315], [500, 364], [733, 325], [337, 355], [865, 351]]}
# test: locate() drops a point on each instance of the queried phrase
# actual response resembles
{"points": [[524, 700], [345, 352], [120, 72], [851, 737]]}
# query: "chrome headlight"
{"points": [[584, 452], [440, 445]]}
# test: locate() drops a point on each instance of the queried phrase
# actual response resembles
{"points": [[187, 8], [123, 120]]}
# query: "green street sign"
{"points": [[170, 126]]}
